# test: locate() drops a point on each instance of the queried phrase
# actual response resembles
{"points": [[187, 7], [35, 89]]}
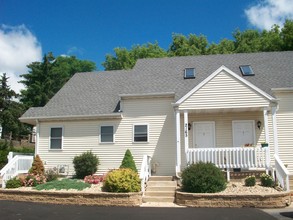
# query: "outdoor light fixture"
{"points": [[258, 124], [189, 126]]}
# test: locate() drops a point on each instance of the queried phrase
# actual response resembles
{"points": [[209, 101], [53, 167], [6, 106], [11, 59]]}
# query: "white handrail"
{"points": [[18, 164], [282, 174], [145, 171]]}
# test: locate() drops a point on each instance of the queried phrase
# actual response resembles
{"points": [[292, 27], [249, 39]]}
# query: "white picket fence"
{"points": [[16, 165], [145, 171]]}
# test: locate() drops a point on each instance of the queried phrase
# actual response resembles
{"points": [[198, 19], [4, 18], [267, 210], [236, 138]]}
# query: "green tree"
{"points": [[126, 59], [45, 78], [287, 35], [128, 161]]}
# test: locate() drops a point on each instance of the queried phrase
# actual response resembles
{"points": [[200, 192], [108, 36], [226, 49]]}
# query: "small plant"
{"points": [[122, 180], [85, 164], [37, 166], [94, 179], [128, 161], [250, 181], [63, 184], [266, 180], [33, 179], [203, 178], [13, 183], [51, 174]]}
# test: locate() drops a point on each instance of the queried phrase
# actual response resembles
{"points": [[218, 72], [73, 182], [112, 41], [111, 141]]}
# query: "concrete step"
{"points": [[161, 183], [160, 193], [160, 188], [161, 178], [158, 199]]}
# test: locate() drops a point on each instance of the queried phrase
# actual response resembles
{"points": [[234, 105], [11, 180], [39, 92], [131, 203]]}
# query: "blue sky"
{"points": [[90, 29]]}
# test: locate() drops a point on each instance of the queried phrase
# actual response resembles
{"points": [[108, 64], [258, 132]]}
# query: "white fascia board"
{"points": [[219, 70]]}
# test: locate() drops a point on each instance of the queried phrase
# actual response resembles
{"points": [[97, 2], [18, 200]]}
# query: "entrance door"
{"points": [[243, 133], [204, 134]]}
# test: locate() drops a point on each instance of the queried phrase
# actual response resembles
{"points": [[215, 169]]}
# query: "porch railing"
{"points": [[17, 165], [145, 171], [234, 157], [282, 174]]}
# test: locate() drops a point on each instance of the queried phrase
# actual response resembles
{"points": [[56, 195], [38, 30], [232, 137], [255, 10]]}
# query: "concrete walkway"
{"points": [[161, 204], [281, 214]]}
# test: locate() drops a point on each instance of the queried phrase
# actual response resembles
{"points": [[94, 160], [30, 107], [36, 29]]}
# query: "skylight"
{"points": [[189, 73], [246, 70]]}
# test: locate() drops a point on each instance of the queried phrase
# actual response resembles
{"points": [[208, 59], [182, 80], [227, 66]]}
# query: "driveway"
{"points": [[10, 210]]}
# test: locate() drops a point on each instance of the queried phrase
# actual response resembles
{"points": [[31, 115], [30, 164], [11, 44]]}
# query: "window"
{"points": [[189, 73], [246, 70], [107, 134], [140, 133], [56, 138]]}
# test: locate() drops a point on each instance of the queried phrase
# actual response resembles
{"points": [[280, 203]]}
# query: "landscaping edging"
{"points": [[99, 199], [278, 200]]}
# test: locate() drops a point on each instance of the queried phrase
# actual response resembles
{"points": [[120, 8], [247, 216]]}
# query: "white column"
{"points": [[275, 130], [37, 137], [186, 130], [178, 144], [267, 138]]}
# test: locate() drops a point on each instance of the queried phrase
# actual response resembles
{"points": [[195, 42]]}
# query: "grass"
{"points": [[63, 184]]}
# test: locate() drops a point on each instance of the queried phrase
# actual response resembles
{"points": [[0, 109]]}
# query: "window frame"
{"points": [[100, 136], [243, 72], [189, 77], [133, 132], [62, 138]]}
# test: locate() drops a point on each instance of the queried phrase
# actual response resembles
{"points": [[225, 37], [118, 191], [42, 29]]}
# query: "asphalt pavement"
{"points": [[11, 210]]}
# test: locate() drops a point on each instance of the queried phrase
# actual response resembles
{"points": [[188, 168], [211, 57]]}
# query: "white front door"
{"points": [[243, 133], [204, 134]]}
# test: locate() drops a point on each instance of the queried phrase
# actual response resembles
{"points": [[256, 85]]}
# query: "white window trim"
{"points": [[62, 138], [148, 133], [100, 136], [253, 132]]}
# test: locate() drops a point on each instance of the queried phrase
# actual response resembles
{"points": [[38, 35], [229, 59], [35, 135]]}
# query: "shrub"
{"points": [[266, 180], [13, 183], [37, 166], [51, 174], [250, 181], [33, 179], [128, 161], [85, 164], [122, 180], [94, 179], [203, 178]]}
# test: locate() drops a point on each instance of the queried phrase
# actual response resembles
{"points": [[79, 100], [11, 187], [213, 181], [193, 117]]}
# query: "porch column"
{"points": [[186, 131], [267, 139], [178, 144], [275, 130], [37, 137]]}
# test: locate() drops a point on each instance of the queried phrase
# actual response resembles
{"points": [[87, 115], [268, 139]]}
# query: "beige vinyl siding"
{"points": [[81, 136], [285, 128], [224, 91]]}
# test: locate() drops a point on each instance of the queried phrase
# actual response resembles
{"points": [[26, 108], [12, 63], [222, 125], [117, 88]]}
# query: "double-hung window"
{"points": [[107, 134], [140, 133], [56, 136]]}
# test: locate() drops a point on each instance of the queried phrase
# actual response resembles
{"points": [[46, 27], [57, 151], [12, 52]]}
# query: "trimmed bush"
{"points": [[51, 174], [33, 179], [128, 161], [37, 167], [250, 181], [122, 181], [266, 180], [85, 164], [13, 183], [203, 178]]}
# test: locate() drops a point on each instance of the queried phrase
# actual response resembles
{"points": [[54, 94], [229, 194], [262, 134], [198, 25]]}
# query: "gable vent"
{"points": [[246, 70], [189, 73]]}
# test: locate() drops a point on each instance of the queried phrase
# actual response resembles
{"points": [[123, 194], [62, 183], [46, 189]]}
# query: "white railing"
{"points": [[17, 165], [233, 157], [145, 171], [282, 174]]}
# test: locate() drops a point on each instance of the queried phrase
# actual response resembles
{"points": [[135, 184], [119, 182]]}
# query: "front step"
{"points": [[160, 189]]}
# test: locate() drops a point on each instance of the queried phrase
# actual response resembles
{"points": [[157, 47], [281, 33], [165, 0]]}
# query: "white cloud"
{"points": [[18, 48], [269, 12]]}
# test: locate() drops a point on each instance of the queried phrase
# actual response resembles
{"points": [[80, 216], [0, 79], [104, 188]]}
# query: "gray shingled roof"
{"points": [[97, 93]]}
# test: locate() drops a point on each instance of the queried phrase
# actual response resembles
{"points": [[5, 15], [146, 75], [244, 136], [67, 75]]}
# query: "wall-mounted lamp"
{"points": [[258, 123], [189, 126]]}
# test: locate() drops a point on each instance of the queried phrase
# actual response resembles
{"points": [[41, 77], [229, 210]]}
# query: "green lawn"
{"points": [[63, 184]]}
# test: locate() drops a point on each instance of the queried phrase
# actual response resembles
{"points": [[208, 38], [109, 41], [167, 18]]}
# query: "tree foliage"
{"points": [[45, 78], [128, 161], [248, 41]]}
